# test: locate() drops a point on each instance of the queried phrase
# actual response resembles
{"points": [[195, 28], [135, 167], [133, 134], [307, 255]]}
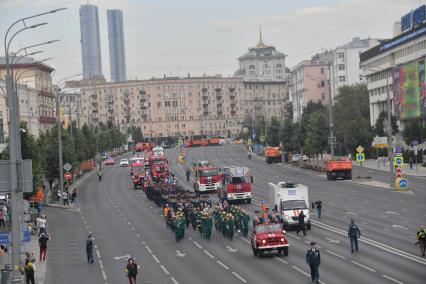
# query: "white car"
{"points": [[124, 163]]}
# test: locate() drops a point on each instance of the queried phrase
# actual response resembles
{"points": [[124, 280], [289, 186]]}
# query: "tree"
{"points": [[286, 134], [414, 130], [273, 137], [381, 125], [315, 140], [136, 134]]}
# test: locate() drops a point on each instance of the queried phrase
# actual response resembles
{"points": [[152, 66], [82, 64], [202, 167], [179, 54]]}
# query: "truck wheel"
{"points": [[285, 250], [309, 226], [329, 176]]}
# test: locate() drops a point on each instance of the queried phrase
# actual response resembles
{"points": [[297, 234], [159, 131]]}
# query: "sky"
{"points": [[177, 37]]}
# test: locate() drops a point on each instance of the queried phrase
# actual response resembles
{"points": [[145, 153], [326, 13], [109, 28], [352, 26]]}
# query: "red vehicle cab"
{"points": [[139, 176], [159, 167], [208, 178], [109, 162], [141, 146], [268, 237]]}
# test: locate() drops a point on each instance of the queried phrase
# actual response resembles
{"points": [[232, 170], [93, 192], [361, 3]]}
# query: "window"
{"points": [[252, 70], [342, 79], [341, 67], [323, 96], [341, 55]]}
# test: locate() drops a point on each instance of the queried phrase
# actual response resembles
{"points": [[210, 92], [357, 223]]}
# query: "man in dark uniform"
{"points": [[354, 233], [301, 226], [313, 258], [188, 174]]}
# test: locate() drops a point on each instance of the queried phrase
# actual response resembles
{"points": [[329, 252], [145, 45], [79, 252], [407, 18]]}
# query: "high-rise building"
{"points": [[90, 41], [117, 56]]}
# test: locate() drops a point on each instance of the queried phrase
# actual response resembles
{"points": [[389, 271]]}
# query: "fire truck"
{"points": [[207, 178], [237, 184], [290, 199], [158, 167], [143, 146], [139, 176], [268, 237]]}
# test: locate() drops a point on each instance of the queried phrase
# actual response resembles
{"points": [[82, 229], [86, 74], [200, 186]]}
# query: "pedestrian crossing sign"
{"points": [[360, 157], [398, 161]]}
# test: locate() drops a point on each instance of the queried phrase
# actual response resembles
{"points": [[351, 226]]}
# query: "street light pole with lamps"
{"points": [[14, 143]]}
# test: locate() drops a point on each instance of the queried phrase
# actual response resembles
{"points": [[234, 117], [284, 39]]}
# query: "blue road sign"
{"points": [[360, 157], [398, 161], [403, 183], [398, 149]]}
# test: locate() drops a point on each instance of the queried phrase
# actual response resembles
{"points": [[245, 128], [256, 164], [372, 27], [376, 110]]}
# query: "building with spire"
{"points": [[263, 63]]}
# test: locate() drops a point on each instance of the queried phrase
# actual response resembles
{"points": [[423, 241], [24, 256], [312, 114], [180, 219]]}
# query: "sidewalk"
{"points": [[372, 164]]}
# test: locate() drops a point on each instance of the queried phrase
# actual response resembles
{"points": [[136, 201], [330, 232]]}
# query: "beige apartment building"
{"points": [[192, 106]]}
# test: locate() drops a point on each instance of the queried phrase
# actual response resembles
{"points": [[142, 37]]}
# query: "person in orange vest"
{"points": [[166, 213]]}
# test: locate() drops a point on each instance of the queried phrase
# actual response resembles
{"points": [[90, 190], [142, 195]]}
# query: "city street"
{"points": [[125, 223]]}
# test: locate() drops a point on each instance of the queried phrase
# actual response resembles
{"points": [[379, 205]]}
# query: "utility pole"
{"points": [[389, 126], [59, 126], [331, 139], [70, 120]]}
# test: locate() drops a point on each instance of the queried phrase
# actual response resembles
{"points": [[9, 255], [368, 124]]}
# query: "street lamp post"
{"points": [[14, 144], [330, 114]]}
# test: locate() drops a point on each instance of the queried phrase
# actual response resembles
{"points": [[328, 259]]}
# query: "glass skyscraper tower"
{"points": [[90, 41], [117, 55]]}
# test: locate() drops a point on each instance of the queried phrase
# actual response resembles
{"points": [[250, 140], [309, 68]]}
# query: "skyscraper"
{"points": [[90, 41], [117, 56]]}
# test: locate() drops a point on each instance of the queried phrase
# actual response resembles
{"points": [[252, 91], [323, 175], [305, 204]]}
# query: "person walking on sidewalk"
{"points": [[60, 197], [354, 233], [74, 197], [313, 258], [29, 270], [132, 270], [2, 218], [89, 249], [39, 207], [42, 241], [65, 198], [41, 224]]}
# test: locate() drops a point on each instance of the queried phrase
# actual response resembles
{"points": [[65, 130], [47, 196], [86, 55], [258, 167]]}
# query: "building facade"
{"points": [[70, 107], [117, 55], [193, 106], [263, 63], [386, 65], [309, 82], [346, 68], [90, 41], [36, 100]]}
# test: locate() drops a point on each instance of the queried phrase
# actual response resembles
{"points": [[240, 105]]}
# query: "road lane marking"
{"points": [[293, 236], [209, 254], [371, 242], [363, 266], [155, 258], [300, 270], [148, 249], [137, 235], [101, 264], [98, 254], [244, 239], [335, 254], [104, 275], [239, 277], [392, 279], [281, 260], [174, 280], [197, 244], [222, 264], [164, 269]]}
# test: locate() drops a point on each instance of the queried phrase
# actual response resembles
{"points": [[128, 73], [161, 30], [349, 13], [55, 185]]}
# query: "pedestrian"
{"points": [[39, 207], [74, 197], [313, 258], [301, 226], [65, 198], [188, 174], [354, 233], [2, 218], [318, 203], [132, 270], [29, 270], [411, 162], [59, 195], [41, 224], [89, 249], [42, 241]]}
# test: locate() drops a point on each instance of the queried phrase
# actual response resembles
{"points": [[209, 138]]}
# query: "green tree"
{"points": [[315, 140], [380, 126], [137, 134], [273, 137], [414, 130], [286, 134]]}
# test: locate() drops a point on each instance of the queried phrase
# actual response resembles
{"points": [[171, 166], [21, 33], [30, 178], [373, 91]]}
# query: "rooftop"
{"points": [[261, 50]]}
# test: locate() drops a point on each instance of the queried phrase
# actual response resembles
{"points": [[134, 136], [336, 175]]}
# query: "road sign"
{"points": [[398, 149], [262, 138], [414, 142], [67, 167], [249, 142], [380, 142], [401, 184], [360, 149], [398, 172], [360, 157], [68, 176], [398, 161]]}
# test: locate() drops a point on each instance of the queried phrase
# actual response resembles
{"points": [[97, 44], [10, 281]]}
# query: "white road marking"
{"points": [[148, 249], [391, 212], [293, 236], [137, 235], [155, 258], [392, 279], [128, 223], [363, 266], [98, 254], [281, 260], [332, 241], [197, 244], [244, 239], [352, 213], [104, 275], [399, 227], [165, 270], [335, 254], [239, 277], [101, 264], [209, 254], [133, 229], [221, 264], [174, 280]]}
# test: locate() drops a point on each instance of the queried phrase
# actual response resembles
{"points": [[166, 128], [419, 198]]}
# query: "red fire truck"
{"points": [[237, 185], [208, 178], [139, 176], [159, 167], [143, 146], [268, 237]]}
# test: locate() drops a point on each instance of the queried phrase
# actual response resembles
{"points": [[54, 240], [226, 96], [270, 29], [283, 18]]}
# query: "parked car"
{"points": [[109, 162], [124, 163], [296, 157], [305, 158]]}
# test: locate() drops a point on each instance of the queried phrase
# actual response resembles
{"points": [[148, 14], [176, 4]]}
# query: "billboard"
{"points": [[410, 90]]}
